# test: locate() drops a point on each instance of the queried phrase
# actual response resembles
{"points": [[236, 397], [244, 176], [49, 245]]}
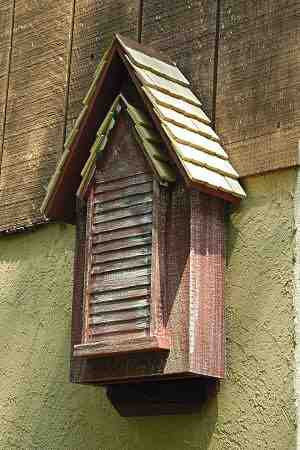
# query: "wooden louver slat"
{"points": [[119, 269]]}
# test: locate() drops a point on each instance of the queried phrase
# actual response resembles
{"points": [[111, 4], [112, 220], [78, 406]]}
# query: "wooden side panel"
{"points": [[94, 27], [258, 95], [178, 281], [35, 108], [186, 32], [206, 305], [76, 364], [159, 260]]}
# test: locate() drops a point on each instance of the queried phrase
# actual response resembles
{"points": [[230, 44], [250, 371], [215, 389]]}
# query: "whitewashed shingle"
{"points": [[194, 140], [169, 87], [176, 104], [160, 68]]}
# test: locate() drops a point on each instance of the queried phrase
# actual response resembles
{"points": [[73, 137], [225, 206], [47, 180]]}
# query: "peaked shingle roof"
{"points": [[179, 123], [195, 143]]}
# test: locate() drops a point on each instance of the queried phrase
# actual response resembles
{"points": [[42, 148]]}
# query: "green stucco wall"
{"points": [[40, 409]]}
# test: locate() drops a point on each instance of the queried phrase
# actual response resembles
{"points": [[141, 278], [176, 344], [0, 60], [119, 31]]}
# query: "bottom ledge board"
{"points": [[162, 397], [97, 349]]}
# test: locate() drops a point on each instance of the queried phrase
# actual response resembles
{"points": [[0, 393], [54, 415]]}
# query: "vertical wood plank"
{"points": [[35, 108], [258, 95], [95, 24], [6, 27], [186, 31]]}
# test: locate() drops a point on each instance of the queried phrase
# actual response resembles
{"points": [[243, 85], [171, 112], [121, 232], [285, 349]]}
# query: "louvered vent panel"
{"points": [[119, 273]]}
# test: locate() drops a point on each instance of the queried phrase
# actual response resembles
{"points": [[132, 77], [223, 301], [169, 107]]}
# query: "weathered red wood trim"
{"points": [[100, 349], [206, 334], [158, 264], [78, 284], [88, 263]]}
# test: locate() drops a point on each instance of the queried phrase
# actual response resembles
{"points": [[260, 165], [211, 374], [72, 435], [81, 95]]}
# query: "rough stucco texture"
{"points": [[40, 409]]}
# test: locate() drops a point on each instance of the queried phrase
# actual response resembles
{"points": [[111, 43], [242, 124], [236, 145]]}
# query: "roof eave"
{"points": [[61, 205]]}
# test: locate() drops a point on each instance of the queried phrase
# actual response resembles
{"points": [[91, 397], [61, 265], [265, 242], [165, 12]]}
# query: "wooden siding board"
{"points": [[94, 27], [6, 27], [3, 86], [258, 95], [29, 159], [41, 31], [6, 15], [35, 108], [36, 97], [185, 31]]}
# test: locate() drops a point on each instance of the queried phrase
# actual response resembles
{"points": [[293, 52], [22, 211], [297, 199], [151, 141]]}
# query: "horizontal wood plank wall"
{"points": [[186, 31], [34, 124], [258, 93], [95, 24]]}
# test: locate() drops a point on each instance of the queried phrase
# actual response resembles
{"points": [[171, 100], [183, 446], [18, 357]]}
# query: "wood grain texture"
{"points": [[258, 95], [34, 127], [116, 211], [76, 365], [140, 344], [29, 159], [185, 31], [6, 21], [94, 27], [3, 98], [178, 237], [159, 264], [206, 305], [6, 27], [186, 298]]}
